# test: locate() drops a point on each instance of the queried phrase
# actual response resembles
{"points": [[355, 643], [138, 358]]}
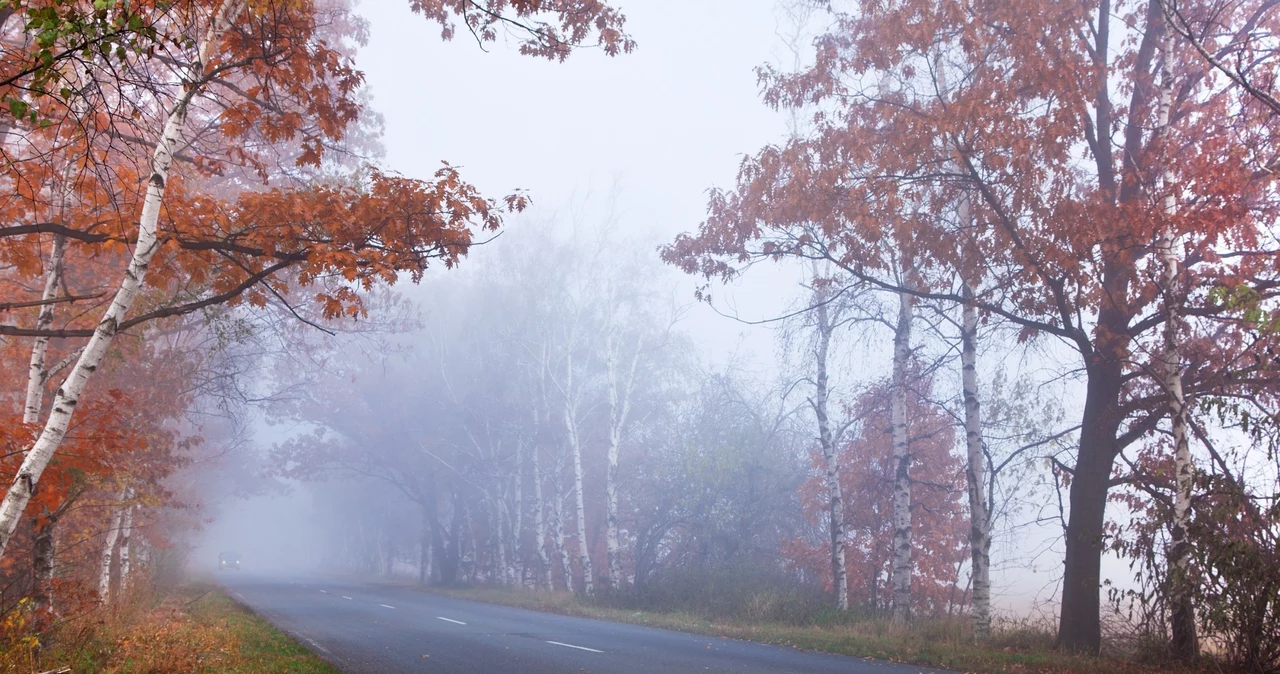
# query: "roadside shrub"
{"points": [[18, 641], [1235, 544], [742, 593]]}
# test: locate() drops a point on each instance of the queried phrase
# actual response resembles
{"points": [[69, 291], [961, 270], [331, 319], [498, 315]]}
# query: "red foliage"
{"points": [[939, 523]]}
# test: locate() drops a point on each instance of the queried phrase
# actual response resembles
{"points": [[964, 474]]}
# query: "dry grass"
{"points": [[195, 628], [934, 643]]}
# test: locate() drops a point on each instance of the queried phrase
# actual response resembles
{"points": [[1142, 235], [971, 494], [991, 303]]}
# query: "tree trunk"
{"points": [[126, 535], [38, 458], [575, 451], [37, 374], [108, 552], [503, 571], [42, 561], [519, 553], [424, 551], [835, 500], [542, 422], [975, 472], [584, 552], [902, 563], [619, 409], [562, 549], [1080, 627], [1182, 615], [540, 525]]}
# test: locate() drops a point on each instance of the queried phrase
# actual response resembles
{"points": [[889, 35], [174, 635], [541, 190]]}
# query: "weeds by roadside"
{"points": [[193, 628], [935, 643]]}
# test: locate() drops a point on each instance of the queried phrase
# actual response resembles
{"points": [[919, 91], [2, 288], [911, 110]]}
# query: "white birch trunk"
{"points": [[902, 563], [827, 439], [542, 420], [575, 449], [37, 373], [1182, 610], [126, 535], [503, 571], [975, 471], [518, 570], [108, 551], [562, 549], [540, 525], [43, 549], [619, 409], [68, 395]]}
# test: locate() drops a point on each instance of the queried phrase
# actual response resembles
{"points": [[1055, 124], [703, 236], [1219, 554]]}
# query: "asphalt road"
{"points": [[369, 628]]}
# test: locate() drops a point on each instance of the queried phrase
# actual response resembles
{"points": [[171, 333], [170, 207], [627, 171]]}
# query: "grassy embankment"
{"points": [[192, 628], [943, 644]]}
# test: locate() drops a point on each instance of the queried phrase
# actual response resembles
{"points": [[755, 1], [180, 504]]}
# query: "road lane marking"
{"points": [[450, 620], [241, 596], [385, 606], [318, 647], [345, 597], [324, 591], [581, 648]]}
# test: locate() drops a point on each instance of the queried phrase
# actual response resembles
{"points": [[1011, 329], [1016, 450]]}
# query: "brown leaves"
{"points": [[551, 28]]}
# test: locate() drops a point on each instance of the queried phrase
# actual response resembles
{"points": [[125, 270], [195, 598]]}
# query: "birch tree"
{"points": [[829, 314], [108, 552], [1182, 613], [975, 472], [620, 385], [193, 77], [902, 566], [1016, 124], [313, 93]]}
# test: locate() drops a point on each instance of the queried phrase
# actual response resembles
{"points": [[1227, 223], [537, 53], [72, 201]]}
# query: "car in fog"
{"points": [[229, 560]]}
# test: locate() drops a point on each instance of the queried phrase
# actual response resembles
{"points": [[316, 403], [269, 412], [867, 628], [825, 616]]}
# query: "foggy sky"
{"points": [[644, 134]]}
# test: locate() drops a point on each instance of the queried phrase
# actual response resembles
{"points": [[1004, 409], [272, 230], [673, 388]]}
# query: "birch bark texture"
{"points": [[1182, 619], [575, 452], [108, 552], [620, 386], [902, 562], [975, 470], [829, 439], [68, 394], [43, 548], [975, 473], [37, 372], [542, 420], [126, 536]]}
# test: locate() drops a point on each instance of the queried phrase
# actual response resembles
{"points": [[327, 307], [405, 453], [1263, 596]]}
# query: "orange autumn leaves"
{"points": [[268, 200], [867, 479]]}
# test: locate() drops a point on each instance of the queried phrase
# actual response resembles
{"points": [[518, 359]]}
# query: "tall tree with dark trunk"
{"points": [[1063, 247]]}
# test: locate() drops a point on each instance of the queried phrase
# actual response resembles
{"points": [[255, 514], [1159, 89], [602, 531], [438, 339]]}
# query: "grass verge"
{"points": [[193, 628], [932, 644]]}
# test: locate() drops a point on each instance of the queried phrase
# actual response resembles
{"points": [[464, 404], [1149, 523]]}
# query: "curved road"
{"points": [[368, 628]]}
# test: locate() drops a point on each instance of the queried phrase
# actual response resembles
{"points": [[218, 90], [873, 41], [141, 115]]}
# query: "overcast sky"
{"points": [[656, 128]]}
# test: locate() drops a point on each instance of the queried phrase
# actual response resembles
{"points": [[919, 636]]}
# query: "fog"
{"points": [[617, 156], [566, 399]]}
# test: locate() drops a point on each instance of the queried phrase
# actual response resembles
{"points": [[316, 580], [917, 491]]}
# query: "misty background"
{"points": [[617, 155]]}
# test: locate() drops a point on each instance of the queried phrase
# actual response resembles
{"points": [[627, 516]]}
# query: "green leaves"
{"points": [[65, 30]]}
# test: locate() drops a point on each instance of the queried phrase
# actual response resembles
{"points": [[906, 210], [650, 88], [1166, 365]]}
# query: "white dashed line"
{"points": [[317, 646], [581, 648], [450, 620], [241, 596], [385, 606], [345, 597], [324, 591]]}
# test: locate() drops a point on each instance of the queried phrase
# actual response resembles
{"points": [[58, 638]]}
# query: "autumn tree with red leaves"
{"points": [[1047, 113], [866, 474], [197, 156]]}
